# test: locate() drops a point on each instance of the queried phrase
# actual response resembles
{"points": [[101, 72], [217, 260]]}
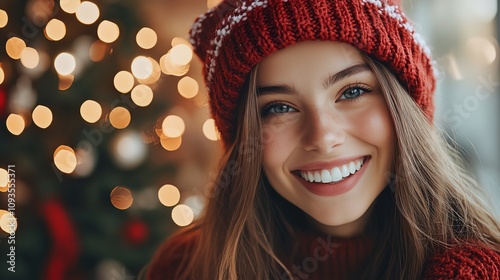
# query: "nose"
{"points": [[323, 132]]}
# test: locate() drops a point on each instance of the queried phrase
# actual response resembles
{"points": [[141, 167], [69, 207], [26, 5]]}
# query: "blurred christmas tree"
{"points": [[84, 95]]}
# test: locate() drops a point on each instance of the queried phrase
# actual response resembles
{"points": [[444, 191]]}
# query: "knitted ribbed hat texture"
{"points": [[236, 35]]}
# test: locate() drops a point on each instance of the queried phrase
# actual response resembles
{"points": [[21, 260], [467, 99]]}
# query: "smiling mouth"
{"points": [[332, 175]]}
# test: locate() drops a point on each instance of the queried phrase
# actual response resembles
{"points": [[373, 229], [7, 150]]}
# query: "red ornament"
{"points": [[136, 232]]}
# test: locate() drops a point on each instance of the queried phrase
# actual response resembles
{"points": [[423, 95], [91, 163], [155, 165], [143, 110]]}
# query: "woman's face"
{"points": [[327, 132]]}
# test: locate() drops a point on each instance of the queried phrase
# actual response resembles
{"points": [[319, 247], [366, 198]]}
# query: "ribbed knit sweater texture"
{"points": [[331, 258]]}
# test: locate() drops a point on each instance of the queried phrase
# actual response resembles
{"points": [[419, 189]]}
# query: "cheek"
{"points": [[376, 126], [277, 146]]}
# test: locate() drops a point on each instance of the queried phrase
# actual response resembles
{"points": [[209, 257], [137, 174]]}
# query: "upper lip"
{"points": [[328, 164]]}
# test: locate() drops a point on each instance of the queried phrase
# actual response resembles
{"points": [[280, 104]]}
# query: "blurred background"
{"points": [[107, 140]]}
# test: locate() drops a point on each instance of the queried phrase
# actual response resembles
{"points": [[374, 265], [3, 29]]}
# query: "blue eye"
{"points": [[277, 109], [353, 92]]}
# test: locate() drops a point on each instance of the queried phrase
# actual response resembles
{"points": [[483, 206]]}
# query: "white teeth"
{"points": [[317, 177], [345, 171], [352, 167], [325, 176], [334, 175]]}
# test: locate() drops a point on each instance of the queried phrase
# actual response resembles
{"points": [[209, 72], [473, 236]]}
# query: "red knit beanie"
{"points": [[236, 35]]}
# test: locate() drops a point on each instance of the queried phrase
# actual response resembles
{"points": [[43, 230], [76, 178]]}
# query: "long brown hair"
{"points": [[431, 202]]}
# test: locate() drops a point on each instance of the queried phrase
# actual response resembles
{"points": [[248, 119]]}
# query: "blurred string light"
{"points": [[142, 67], [142, 95], [182, 215], [178, 40], [55, 30], [8, 223], [90, 111], [108, 31], [70, 6], [4, 18], [177, 60], [123, 81], [187, 87], [65, 63], [170, 144], [155, 73], [173, 126], [14, 47], [146, 38], [98, 51], [30, 58], [181, 54], [87, 12], [65, 81], [121, 198], [4, 180], [210, 131], [85, 161], [196, 204], [15, 124], [65, 159], [119, 117], [481, 50], [42, 116], [169, 195], [128, 150], [2, 75]]}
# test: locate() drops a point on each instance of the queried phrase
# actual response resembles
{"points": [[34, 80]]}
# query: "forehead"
{"points": [[307, 58]]}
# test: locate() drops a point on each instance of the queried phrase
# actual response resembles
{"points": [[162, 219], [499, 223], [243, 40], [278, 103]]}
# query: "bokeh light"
{"points": [[187, 87], [65, 159], [181, 54], [108, 31], [173, 126], [70, 6], [30, 58], [123, 81], [119, 117], [481, 50], [146, 38], [155, 73], [4, 180], [8, 223], [87, 12], [65, 81], [55, 30], [142, 67], [4, 18], [170, 68], [14, 47], [42, 116], [2, 75], [178, 40], [121, 198], [98, 51], [142, 95], [182, 215], [128, 149], [15, 124], [65, 63], [210, 131], [170, 144], [90, 111], [169, 195]]}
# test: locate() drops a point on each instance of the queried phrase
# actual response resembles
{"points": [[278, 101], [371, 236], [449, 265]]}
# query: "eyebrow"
{"points": [[329, 81]]}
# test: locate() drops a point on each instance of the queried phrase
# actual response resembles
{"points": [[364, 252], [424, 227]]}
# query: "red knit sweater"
{"points": [[329, 258]]}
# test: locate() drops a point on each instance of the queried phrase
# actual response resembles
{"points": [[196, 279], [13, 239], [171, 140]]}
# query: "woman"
{"points": [[332, 169]]}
